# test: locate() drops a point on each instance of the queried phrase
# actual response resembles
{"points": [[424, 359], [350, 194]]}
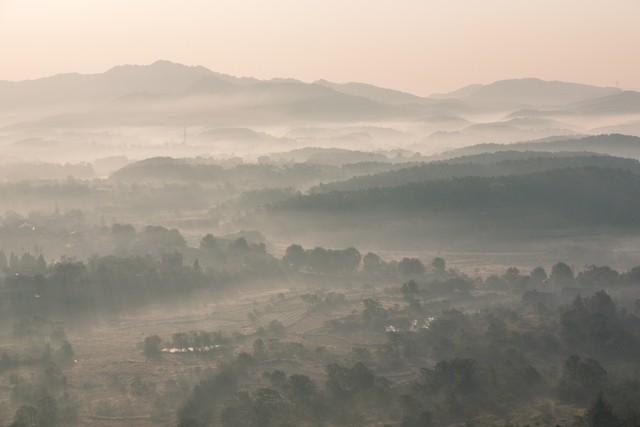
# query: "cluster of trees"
{"points": [[500, 359], [349, 394], [537, 286], [113, 282], [187, 342], [77, 234], [321, 260], [349, 261], [48, 344], [237, 256], [491, 363], [488, 363], [99, 285], [37, 381], [561, 275], [212, 344], [25, 264]]}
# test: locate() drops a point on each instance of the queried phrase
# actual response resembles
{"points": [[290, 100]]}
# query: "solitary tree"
{"points": [[438, 265], [372, 263], [295, 257], [538, 275], [561, 274], [411, 267]]}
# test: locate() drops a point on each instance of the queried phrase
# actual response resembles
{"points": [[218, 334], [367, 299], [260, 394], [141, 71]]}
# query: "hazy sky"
{"points": [[421, 46]]}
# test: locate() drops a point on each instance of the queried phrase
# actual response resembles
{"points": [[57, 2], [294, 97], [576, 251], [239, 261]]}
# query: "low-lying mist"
{"points": [[180, 247]]}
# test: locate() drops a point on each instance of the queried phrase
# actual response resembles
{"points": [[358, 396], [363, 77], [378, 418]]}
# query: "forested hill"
{"points": [[505, 163], [241, 175], [580, 196], [613, 144]]}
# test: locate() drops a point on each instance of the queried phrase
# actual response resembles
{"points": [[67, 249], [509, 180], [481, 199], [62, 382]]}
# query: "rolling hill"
{"points": [[627, 102], [613, 144], [489, 165], [557, 198]]}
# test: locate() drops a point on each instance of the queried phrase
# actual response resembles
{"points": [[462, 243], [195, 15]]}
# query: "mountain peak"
{"points": [[159, 65]]}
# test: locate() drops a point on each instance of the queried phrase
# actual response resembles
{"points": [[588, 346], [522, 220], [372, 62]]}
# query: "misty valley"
{"points": [[180, 247]]}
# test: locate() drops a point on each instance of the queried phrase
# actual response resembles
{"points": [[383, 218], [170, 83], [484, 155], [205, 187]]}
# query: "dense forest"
{"points": [[557, 197], [436, 347], [355, 339], [504, 163]]}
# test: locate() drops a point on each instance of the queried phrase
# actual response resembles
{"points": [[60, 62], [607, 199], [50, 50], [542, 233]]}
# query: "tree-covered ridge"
{"points": [[497, 164], [613, 144], [243, 175], [588, 195]]}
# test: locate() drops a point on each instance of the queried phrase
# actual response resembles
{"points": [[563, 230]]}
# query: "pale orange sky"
{"points": [[422, 46]]}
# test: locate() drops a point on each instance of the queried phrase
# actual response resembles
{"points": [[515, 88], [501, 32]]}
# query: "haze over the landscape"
{"points": [[319, 213]]}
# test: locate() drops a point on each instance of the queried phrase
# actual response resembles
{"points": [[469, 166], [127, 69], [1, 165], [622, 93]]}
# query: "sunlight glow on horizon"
{"points": [[414, 45]]}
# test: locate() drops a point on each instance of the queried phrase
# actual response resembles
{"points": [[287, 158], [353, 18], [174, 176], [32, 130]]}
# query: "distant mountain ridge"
{"points": [[165, 92], [166, 77], [168, 93], [520, 93], [383, 95]]}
